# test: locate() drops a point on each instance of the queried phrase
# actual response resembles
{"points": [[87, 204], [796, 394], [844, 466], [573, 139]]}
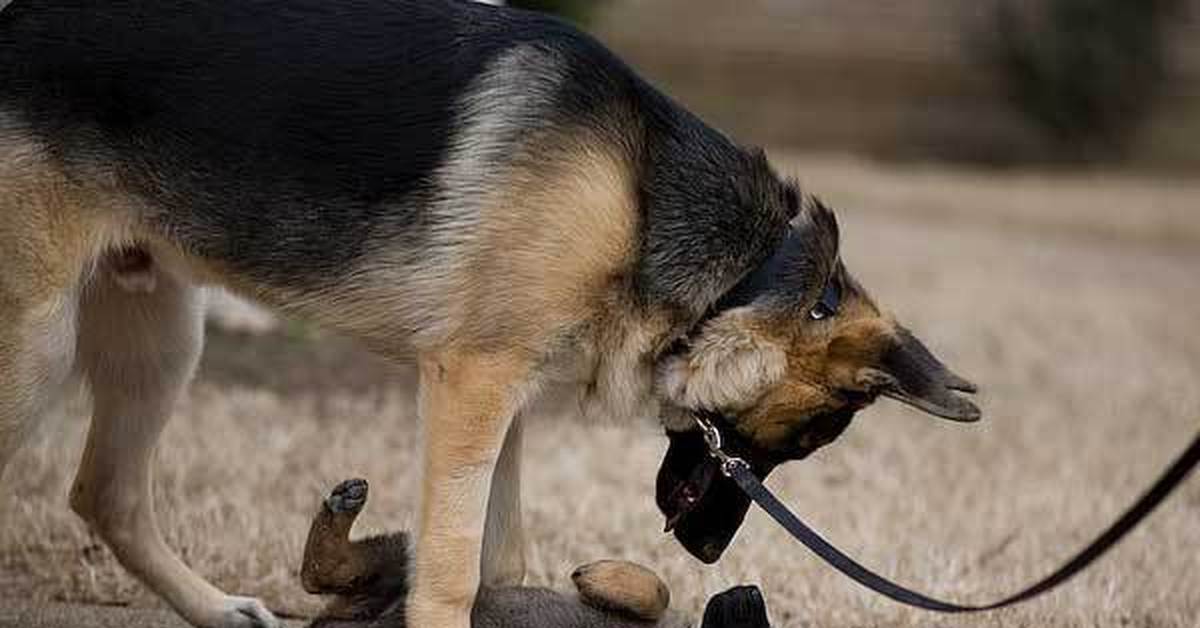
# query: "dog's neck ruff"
{"points": [[740, 471]]}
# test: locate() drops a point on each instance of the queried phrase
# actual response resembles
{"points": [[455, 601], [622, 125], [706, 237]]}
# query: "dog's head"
{"points": [[782, 364]]}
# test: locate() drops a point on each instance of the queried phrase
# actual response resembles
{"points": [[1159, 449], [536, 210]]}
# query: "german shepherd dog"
{"points": [[486, 192], [367, 580]]}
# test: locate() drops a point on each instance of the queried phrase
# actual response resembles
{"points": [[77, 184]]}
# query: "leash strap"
{"points": [[740, 472]]}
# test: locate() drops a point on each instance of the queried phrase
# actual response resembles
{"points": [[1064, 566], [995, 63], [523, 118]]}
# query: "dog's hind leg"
{"points": [[139, 343], [467, 403], [43, 252], [37, 348]]}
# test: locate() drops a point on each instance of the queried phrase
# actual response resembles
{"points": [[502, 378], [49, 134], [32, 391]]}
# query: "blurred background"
{"points": [[997, 82], [1015, 179]]}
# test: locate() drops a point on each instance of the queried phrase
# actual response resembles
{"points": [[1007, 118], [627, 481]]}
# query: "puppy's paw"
{"points": [[739, 607], [622, 587], [348, 497]]}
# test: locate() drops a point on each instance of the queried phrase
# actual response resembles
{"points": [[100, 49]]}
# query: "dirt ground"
{"points": [[31, 614], [1074, 300]]}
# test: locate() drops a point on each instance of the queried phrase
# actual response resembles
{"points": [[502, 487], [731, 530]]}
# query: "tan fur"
{"points": [[552, 245], [821, 359], [525, 230], [623, 587], [467, 401], [548, 276], [619, 380], [774, 369], [728, 366], [49, 229], [47, 242]]}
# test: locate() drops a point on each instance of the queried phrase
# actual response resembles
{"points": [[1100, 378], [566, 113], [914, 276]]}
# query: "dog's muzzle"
{"points": [[703, 507]]}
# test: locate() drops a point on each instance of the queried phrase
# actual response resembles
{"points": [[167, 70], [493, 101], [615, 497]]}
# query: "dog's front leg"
{"points": [[467, 403], [503, 561]]}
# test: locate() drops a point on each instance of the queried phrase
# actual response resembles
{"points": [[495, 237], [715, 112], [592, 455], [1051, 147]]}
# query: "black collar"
{"points": [[760, 280]]}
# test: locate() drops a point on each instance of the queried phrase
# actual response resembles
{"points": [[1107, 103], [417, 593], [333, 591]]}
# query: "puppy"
{"points": [[484, 191], [368, 581]]}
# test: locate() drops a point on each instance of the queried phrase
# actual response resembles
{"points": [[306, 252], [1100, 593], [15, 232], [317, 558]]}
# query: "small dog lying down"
{"points": [[369, 581]]}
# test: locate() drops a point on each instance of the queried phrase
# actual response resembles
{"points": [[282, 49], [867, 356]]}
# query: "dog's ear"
{"points": [[909, 372], [726, 367]]}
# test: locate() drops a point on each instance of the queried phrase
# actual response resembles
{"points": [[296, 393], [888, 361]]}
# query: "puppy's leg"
{"points": [[467, 405], [329, 564], [335, 564], [624, 588], [503, 538], [367, 576], [138, 350]]}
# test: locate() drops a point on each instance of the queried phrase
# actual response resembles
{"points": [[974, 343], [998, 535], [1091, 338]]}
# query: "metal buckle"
{"points": [[712, 438]]}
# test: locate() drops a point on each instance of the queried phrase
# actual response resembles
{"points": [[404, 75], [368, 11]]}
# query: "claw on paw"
{"points": [[349, 496]]}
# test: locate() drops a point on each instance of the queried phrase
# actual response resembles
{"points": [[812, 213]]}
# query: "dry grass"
{"points": [[1048, 290]]}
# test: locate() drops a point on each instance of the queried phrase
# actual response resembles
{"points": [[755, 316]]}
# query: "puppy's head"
{"points": [[783, 364]]}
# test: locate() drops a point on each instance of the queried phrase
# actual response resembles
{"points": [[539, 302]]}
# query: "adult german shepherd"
{"points": [[486, 191]]}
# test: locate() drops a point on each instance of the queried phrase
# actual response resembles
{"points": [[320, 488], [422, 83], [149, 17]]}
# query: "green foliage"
{"points": [[1088, 72]]}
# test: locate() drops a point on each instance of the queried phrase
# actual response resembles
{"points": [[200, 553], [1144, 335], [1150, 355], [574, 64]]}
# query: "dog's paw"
{"points": [[245, 612], [739, 607], [349, 497], [622, 587]]}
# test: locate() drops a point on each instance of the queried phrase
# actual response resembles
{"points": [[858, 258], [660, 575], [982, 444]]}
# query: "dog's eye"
{"points": [[831, 299]]}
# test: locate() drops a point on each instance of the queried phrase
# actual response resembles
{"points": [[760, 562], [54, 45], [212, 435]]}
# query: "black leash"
{"points": [[740, 472]]}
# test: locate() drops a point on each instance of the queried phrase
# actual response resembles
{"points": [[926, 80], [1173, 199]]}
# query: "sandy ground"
{"points": [[26, 614], [1073, 299], [23, 614]]}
